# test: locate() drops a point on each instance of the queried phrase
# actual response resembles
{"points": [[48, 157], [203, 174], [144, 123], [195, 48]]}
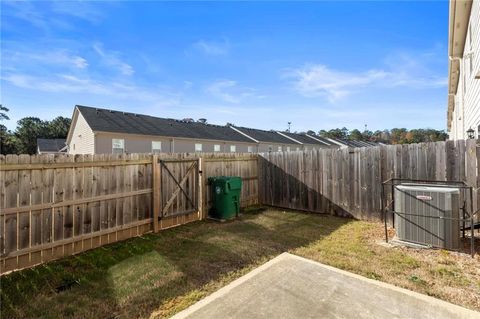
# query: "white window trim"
{"points": [[280, 148], [157, 150], [215, 146], [198, 147], [233, 148], [119, 141], [250, 149]]}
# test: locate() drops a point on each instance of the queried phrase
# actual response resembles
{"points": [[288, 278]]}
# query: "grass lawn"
{"points": [[160, 274]]}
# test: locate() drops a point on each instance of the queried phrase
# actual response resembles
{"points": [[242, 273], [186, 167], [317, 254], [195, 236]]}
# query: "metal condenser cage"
{"points": [[429, 213]]}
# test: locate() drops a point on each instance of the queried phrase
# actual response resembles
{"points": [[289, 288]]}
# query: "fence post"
{"points": [[201, 189], [156, 192]]}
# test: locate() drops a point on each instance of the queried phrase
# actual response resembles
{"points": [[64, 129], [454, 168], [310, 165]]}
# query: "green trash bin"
{"points": [[225, 192]]}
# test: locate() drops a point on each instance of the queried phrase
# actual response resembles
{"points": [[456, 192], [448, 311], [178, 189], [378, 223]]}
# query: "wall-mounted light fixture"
{"points": [[470, 133]]}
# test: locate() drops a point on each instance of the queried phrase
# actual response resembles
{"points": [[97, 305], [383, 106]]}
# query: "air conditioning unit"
{"points": [[425, 212]]}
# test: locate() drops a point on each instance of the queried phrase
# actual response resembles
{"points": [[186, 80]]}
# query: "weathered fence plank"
{"points": [[350, 180], [58, 205]]}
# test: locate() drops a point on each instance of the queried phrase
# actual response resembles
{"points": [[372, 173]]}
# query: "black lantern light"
{"points": [[470, 133]]}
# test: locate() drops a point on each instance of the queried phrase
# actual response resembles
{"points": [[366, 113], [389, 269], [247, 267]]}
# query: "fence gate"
{"points": [[177, 188]]}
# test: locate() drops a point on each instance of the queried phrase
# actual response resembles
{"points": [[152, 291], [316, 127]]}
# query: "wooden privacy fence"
{"points": [[348, 181], [58, 205]]}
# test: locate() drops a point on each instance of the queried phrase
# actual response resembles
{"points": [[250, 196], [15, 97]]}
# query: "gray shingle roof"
{"points": [[50, 145], [353, 143], [130, 123], [265, 136], [303, 138]]}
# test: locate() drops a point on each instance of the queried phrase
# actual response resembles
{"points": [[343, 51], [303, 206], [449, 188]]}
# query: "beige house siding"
{"points": [[264, 147], [466, 112], [314, 146], [82, 140], [143, 144]]}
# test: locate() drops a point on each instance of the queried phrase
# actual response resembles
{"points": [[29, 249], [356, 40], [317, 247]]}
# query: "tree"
{"points": [[3, 113], [24, 139], [355, 135], [7, 141], [27, 132], [335, 133], [58, 127], [393, 136]]}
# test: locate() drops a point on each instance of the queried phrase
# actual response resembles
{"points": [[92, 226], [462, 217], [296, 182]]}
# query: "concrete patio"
{"points": [[289, 286]]}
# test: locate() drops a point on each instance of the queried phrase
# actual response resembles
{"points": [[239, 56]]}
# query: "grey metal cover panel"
{"points": [[428, 200]]}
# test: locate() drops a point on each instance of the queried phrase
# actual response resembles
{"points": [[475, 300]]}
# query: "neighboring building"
{"points": [[268, 141], [308, 142], [98, 131], [51, 146], [102, 131], [464, 69], [351, 143]]}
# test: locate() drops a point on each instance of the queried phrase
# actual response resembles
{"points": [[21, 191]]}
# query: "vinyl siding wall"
{"points": [[143, 144], [264, 147], [83, 138], [466, 113]]}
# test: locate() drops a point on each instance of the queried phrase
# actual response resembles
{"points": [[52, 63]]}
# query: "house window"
{"points": [[250, 149], [288, 148], [156, 146], [270, 148], [198, 147], [233, 148], [216, 148], [279, 148], [298, 148], [118, 146]]}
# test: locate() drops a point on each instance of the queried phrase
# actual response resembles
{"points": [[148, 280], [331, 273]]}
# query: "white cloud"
{"points": [[219, 89], [229, 91], [80, 62], [15, 59], [402, 71], [112, 59], [319, 80], [78, 9], [212, 47], [53, 14], [67, 83]]}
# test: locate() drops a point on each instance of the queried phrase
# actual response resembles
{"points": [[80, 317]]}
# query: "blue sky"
{"points": [[320, 65]]}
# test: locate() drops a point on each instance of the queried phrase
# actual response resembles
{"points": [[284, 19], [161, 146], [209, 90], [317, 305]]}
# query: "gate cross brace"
{"points": [[179, 186]]}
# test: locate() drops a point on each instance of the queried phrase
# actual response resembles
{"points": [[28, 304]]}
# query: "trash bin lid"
{"points": [[235, 182]]}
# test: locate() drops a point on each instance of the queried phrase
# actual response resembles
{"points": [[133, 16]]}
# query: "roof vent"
{"points": [[188, 120], [202, 120]]}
